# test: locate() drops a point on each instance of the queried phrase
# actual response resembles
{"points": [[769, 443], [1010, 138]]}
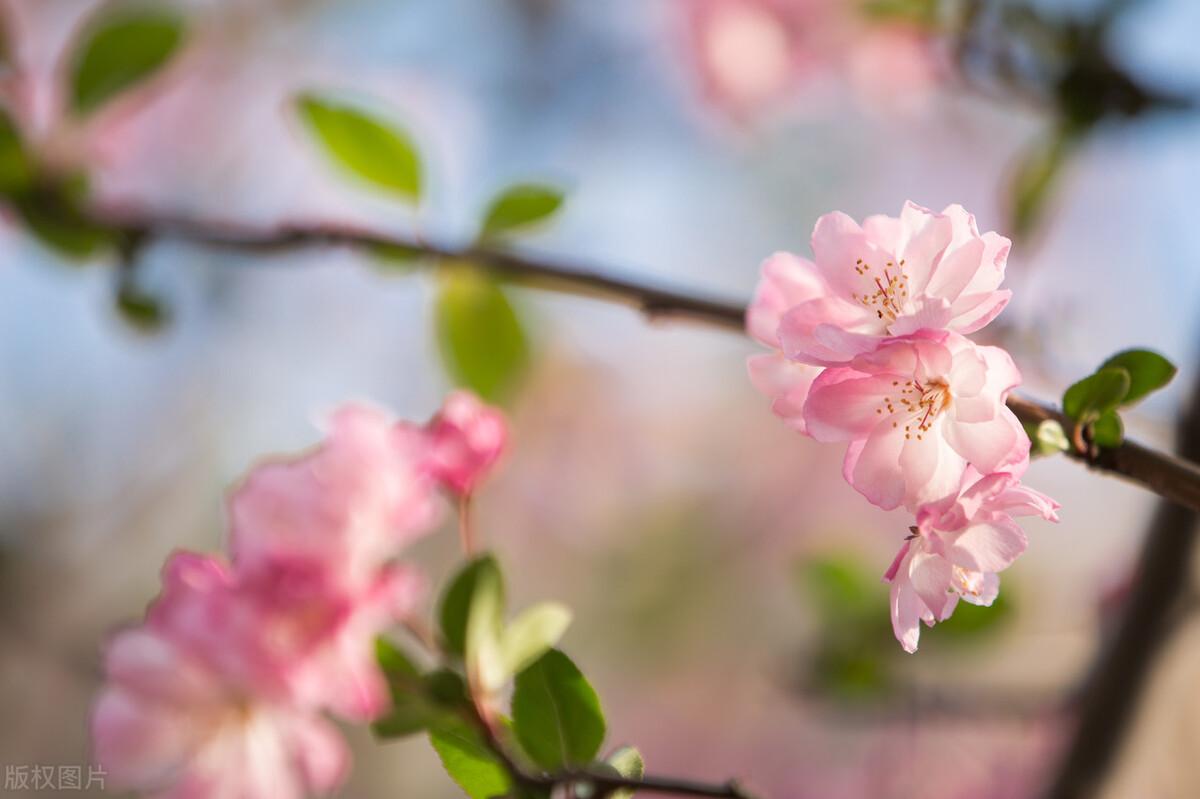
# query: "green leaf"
{"points": [[470, 763], [520, 207], [16, 166], [121, 51], [1148, 372], [629, 764], [532, 633], [141, 310], [1096, 394], [1035, 176], [419, 701], [57, 222], [482, 340], [556, 713], [1108, 431], [455, 606], [1047, 438], [364, 145]]}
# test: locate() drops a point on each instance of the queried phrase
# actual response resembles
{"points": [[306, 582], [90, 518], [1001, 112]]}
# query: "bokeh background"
{"points": [[723, 576]]}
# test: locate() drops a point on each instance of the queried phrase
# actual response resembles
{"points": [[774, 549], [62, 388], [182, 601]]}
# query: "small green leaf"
{"points": [[455, 606], [1096, 394], [121, 51], [520, 207], [483, 651], [556, 713], [364, 145], [1148, 372], [482, 340], [419, 701], [1108, 431], [629, 764], [1048, 438], [532, 633], [57, 222], [470, 763], [141, 310], [16, 167]]}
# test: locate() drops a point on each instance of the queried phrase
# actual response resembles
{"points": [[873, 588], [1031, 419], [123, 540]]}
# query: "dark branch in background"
{"points": [[1113, 690], [1169, 477]]}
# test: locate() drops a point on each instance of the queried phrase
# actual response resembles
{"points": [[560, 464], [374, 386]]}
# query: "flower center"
{"points": [[923, 403], [885, 294]]}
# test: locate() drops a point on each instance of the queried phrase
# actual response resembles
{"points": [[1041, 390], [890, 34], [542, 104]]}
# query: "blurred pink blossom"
{"points": [[916, 412], [785, 284], [467, 436], [750, 54], [957, 549], [221, 690], [190, 709], [893, 277]]}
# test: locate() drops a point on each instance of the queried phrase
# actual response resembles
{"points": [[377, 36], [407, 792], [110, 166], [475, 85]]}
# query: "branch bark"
{"points": [[1111, 695], [1172, 478]]}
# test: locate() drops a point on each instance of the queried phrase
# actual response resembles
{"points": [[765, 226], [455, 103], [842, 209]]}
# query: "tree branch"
{"points": [[1171, 478]]}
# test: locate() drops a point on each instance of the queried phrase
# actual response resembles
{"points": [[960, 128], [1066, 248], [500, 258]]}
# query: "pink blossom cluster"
{"points": [[870, 348], [225, 688], [751, 53]]}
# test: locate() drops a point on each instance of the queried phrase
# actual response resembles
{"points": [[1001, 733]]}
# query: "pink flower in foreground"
{"points": [[916, 412], [785, 284], [957, 549], [894, 277], [195, 706], [467, 436]]}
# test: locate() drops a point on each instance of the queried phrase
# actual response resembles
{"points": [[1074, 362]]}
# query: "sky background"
{"points": [[649, 486]]}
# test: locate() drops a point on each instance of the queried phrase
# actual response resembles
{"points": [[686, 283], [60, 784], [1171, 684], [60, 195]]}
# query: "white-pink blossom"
{"points": [[957, 549], [894, 277], [785, 283], [916, 412]]}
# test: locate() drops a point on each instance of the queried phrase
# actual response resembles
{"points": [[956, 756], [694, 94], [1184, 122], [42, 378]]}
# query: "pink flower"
{"points": [[750, 52], [354, 501], [785, 284], [916, 412], [957, 549], [194, 707], [894, 277], [466, 438]]}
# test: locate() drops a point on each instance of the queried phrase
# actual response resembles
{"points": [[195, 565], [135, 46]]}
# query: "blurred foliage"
{"points": [[364, 145], [120, 51], [1058, 58], [557, 723], [518, 208], [855, 656], [481, 337]]}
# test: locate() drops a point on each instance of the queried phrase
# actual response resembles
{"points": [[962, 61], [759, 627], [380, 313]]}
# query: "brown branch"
{"points": [[1169, 477], [1112, 692]]}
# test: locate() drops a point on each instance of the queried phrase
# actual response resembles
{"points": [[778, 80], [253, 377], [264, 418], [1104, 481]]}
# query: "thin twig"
{"points": [[1169, 477]]}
